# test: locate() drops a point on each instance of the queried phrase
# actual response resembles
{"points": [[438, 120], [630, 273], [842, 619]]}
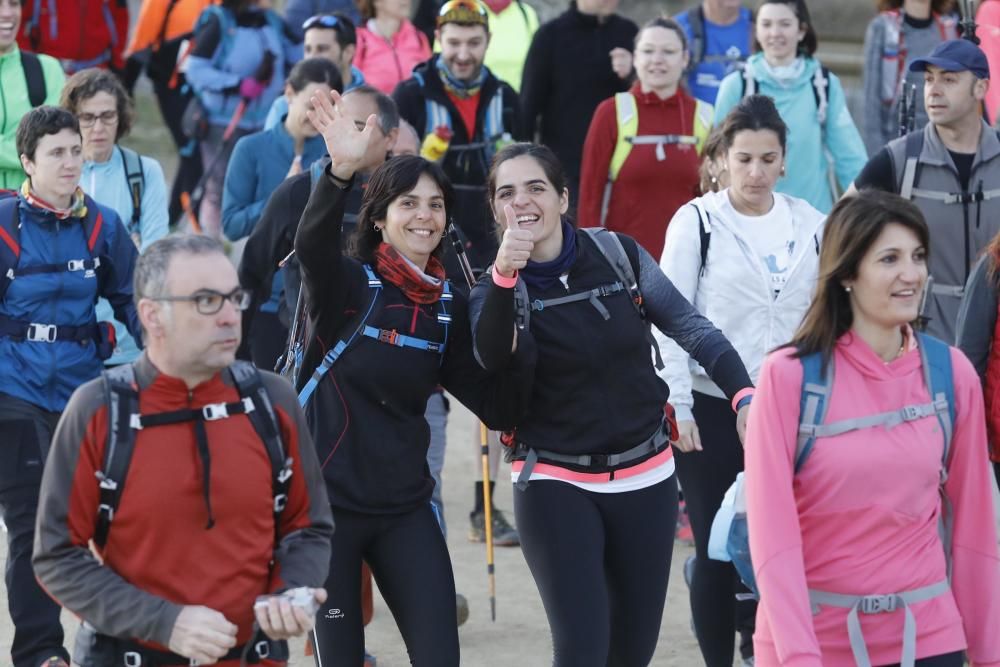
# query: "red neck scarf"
{"points": [[397, 270]]}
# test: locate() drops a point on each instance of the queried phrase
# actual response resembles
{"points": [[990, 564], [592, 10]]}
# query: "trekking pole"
{"points": [[968, 22], [487, 504], [189, 212], [484, 443]]}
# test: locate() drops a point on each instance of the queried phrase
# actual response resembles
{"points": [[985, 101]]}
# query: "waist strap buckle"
{"points": [[877, 604], [41, 333], [132, 659]]}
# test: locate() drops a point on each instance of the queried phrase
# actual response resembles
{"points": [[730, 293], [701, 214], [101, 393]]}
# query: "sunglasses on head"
{"points": [[322, 20]]}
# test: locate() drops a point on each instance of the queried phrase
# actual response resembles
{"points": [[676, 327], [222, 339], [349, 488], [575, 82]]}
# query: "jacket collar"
{"points": [[934, 152]]}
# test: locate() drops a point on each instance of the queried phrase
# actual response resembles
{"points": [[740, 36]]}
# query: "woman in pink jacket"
{"points": [[389, 46], [842, 546]]}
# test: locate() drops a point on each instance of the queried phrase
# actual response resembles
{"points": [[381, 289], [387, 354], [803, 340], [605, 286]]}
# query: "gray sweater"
{"points": [[881, 103]]}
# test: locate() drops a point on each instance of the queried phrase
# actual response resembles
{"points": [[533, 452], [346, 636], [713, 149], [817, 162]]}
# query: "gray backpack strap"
{"points": [[121, 394], [135, 178], [817, 383], [614, 252], [914, 146]]}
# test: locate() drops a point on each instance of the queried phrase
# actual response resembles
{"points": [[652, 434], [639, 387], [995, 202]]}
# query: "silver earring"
{"points": [[847, 289], [376, 228]]}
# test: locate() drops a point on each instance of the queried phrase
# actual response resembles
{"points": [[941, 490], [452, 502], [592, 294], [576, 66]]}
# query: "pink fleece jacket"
{"points": [[387, 62], [860, 517]]}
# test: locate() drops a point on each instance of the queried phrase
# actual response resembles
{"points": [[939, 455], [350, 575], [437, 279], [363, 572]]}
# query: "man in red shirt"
{"points": [[196, 553]]}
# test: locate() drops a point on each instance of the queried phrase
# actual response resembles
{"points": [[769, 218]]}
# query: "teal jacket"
{"points": [[813, 150], [14, 104]]}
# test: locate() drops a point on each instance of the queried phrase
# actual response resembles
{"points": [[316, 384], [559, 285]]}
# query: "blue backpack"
{"points": [[817, 383]]}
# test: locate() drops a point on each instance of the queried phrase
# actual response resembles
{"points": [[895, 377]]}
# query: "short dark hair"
{"points": [[669, 24], [149, 278], [88, 82], [346, 32], [39, 122], [388, 112], [852, 227], [754, 113], [394, 178], [809, 43], [315, 70]]}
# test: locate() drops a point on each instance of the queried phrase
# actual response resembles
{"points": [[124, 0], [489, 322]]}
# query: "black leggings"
{"points": [[409, 559], [705, 476], [601, 562], [956, 659]]}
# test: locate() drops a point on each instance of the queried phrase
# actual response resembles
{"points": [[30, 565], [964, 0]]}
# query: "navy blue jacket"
{"points": [[46, 374]]}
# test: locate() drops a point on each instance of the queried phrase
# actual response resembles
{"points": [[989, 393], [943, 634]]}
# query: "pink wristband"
{"points": [[740, 395], [503, 281]]}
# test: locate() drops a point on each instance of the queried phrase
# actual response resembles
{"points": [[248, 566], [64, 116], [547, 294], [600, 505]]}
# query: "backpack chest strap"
{"points": [[888, 419], [956, 197], [209, 413], [593, 296], [88, 266]]}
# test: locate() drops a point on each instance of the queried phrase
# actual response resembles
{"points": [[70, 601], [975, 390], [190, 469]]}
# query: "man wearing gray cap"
{"points": [[951, 170]]}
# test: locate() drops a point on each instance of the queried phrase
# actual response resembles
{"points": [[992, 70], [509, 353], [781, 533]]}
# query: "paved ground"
{"points": [[520, 634]]}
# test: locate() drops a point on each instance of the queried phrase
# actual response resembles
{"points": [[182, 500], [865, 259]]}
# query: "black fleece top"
{"points": [[596, 390], [567, 73], [270, 241], [367, 414]]}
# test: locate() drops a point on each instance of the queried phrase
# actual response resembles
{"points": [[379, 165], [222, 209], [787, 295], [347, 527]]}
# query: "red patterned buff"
{"points": [[77, 207], [397, 270]]}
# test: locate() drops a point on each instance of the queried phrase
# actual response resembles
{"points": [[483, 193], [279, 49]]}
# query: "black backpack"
{"points": [[122, 398]]}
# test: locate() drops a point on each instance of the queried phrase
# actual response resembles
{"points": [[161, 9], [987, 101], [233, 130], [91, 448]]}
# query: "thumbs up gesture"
{"points": [[515, 247]]}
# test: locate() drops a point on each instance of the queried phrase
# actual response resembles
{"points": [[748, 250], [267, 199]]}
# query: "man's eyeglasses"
{"points": [[90, 119], [209, 302], [323, 21]]}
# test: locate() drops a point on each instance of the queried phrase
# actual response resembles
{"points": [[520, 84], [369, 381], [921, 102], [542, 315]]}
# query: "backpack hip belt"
{"points": [[107, 650], [46, 333], [879, 604], [597, 462]]}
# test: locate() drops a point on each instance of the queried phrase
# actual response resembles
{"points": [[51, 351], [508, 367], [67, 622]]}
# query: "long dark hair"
{"points": [[852, 227], [809, 43], [393, 179]]}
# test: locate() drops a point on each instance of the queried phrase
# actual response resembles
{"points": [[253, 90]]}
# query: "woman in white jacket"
{"points": [[747, 258]]}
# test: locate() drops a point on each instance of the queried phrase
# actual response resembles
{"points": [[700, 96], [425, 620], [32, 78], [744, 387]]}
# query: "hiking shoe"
{"points": [[54, 661], [747, 662], [461, 608], [504, 534]]}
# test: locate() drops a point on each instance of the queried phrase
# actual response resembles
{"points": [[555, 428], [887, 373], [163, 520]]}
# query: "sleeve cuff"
{"points": [[501, 280], [683, 413], [742, 397]]}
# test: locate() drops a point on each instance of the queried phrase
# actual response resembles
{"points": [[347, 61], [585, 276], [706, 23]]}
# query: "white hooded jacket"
{"points": [[735, 290]]}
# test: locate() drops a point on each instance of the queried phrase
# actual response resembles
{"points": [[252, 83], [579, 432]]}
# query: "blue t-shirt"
{"points": [[725, 47]]}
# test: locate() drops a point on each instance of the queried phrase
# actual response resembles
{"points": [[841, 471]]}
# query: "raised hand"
{"points": [[345, 142], [516, 246], [621, 62]]}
